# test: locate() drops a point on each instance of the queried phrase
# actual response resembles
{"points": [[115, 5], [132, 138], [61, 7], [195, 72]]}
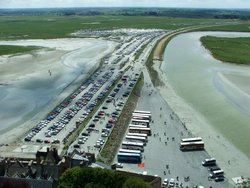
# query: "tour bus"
{"points": [[189, 146], [140, 122], [209, 162], [129, 151], [142, 130], [128, 157], [137, 134], [216, 173], [133, 145], [137, 138], [139, 126], [197, 139], [141, 116], [142, 112]]}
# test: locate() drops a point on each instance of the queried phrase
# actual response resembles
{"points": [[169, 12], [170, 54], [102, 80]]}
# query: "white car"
{"points": [[165, 182], [119, 165], [81, 141], [104, 135], [171, 182]]}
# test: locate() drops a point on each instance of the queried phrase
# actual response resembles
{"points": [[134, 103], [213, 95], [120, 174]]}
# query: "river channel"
{"points": [[218, 91]]}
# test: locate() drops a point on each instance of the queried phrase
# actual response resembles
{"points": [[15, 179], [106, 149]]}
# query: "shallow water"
{"points": [[196, 77], [30, 92]]}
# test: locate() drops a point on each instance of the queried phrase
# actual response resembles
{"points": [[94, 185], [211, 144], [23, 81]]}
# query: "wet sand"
{"points": [[235, 86], [32, 84], [229, 158]]}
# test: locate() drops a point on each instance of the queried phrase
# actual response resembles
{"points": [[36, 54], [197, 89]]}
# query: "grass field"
{"points": [[241, 27], [9, 49], [234, 50], [46, 26]]}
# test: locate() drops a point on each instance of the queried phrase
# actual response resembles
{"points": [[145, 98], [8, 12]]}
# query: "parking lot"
{"points": [[63, 120], [162, 156]]}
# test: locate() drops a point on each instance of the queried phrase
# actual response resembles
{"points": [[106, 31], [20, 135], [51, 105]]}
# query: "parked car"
{"points": [[39, 140], [27, 139], [46, 141], [119, 165], [219, 178], [80, 141], [85, 134], [104, 108], [55, 141], [76, 146], [171, 182], [165, 182]]}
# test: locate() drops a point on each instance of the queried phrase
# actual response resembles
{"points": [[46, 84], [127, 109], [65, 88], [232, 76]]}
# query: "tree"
{"points": [[98, 178], [246, 184], [135, 183]]}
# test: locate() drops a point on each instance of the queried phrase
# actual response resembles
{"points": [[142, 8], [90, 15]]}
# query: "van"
{"points": [[209, 162], [214, 168], [216, 173]]}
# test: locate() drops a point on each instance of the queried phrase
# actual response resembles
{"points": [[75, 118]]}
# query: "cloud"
{"points": [[111, 3]]}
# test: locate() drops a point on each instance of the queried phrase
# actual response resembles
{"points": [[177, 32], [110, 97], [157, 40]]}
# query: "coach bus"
{"points": [[142, 112], [141, 116], [142, 130], [191, 146], [137, 138], [129, 151], [133, 145], [138, 126], [197, 139], [137, 134], [129, 158], [140, 122]]}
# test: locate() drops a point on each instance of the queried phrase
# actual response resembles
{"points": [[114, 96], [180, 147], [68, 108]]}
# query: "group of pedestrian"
{"points": [[186, 179]]}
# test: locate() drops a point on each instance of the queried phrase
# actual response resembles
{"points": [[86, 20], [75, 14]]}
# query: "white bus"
{"points": [[142, 130], [129, 151], [142, 112], [137, 138], [197, 139], [138, 126], [191, 146], [133, 145], [137, 134], [140, 122], [141, 116]]}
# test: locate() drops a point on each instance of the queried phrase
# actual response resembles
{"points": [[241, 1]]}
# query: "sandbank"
{"points": [[234, 85]]}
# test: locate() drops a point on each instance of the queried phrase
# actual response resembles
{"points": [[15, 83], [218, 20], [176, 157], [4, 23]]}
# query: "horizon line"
{"points": [[146, 7]]}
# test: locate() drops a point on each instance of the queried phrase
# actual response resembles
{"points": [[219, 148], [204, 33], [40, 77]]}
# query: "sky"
{"points": [[125, 3]]}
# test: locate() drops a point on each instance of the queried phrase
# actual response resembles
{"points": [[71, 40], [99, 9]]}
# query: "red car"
{"points": [[101, 113]]}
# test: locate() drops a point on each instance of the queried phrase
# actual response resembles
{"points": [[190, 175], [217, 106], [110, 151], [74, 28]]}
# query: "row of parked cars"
{"points": [[112, 118], [101, 113], [35, 130], [83, 101], [57, 126]]}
